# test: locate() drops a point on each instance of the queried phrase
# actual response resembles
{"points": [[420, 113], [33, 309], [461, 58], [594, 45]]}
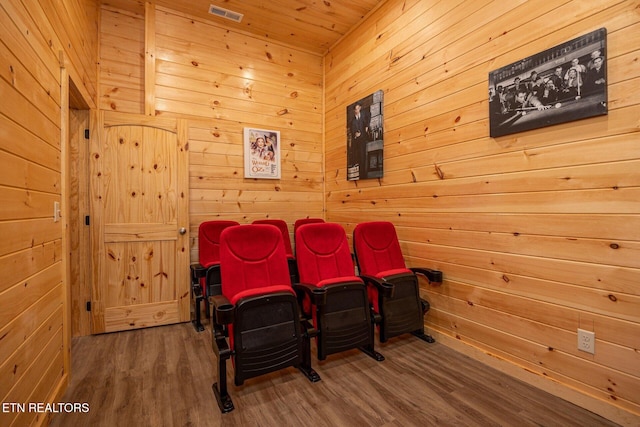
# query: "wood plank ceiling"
{"points": [[312, 25]]}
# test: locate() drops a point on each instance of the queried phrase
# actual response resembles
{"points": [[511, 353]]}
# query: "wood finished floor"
{"points": [[162, 377]]}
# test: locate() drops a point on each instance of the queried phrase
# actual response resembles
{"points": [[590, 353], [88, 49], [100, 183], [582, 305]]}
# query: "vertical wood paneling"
{"points": [[537, 233]]}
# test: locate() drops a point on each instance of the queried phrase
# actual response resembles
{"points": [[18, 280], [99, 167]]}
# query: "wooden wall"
{"points": [[537, 233], [36, 40], [221, 81]]}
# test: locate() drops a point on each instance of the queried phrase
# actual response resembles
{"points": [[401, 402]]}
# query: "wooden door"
{"points": [[139, 214]]}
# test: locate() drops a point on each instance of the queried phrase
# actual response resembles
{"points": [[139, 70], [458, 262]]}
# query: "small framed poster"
{"points": [[261, 153], [365, 138]]}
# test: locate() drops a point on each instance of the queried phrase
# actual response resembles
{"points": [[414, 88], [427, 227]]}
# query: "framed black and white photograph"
{"points": [[565, 83], [261, 153], [365, 138]]}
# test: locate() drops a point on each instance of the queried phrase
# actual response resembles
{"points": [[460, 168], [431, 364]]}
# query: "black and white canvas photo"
{"points": [[365, 138], [565, 83]]}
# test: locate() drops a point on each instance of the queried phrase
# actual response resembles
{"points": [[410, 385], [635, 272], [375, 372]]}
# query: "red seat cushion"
{"points": [[252, 256], [252, 262], [323, 256], [377, 247], [323, 253], [284, 229], [209, 241], [261, 291], [343, 279], [302, 221], [209, 245], [387, 273], [379, 254]]}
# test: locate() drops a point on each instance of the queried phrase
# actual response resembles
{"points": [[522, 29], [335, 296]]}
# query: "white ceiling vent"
{"points": [[225, 13]]}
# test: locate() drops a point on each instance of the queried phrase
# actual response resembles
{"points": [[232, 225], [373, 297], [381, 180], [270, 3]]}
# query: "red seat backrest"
{"points": [[302, 221], [209, 241], [377, 248], [252, 257], [282, 226], [322, 252]]}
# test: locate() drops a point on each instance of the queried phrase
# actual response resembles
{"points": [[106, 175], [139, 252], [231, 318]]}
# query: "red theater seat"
{"points": [[205, 276], [256, 321], [303, 221], [332, 295], [393, 288], [284, 229]]}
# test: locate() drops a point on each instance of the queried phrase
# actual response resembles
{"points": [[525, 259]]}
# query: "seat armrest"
{"points": [[376, 318], [224, 314], [196, 289], [224, 310], [212, 274], [198, 271], [433, 276], [317, 295], [219, 343], [308, 329], [385, 288], [425, 305]]}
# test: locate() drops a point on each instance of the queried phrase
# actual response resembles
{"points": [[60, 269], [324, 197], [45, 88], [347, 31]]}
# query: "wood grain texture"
{"points": [[536, 232], [308, 25], [139, 204], [79, 241], [142, 377], [221, 80]]}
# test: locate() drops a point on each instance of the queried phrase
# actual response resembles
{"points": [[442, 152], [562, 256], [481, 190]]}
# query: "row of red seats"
{"points": [[206, 274], [264, 321]]}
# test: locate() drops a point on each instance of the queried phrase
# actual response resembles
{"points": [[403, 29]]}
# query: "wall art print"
{"points": [[565, 83], [365, 138], [261, 153]]}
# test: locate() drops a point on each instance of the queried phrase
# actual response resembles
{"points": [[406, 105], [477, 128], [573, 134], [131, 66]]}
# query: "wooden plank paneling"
{"points": [[37, 38], [121, 61], [75, 22], [536, 232], [79, 240], [312, 26], [222, 81], [140, 316]]}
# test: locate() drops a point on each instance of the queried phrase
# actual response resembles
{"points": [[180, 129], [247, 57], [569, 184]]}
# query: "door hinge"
{"points": [[88, 305], [86, 134], [87, 220]]}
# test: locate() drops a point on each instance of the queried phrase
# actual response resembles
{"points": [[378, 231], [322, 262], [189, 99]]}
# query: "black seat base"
{"points": [[224, 400], [197, 320], [310, 373], [197, 272], [424, 337], [372, 353]]}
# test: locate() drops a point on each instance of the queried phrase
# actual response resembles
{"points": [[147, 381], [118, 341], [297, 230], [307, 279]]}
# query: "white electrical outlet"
{"points": [[56, 211], [586, 341]]}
